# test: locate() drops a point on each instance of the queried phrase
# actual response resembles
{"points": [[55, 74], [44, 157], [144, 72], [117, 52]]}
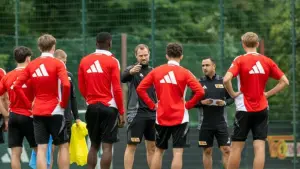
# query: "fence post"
{"points": [[293, 31], [17, 12], [83, 25], [221, 4], [124, 64], [153, 20]]}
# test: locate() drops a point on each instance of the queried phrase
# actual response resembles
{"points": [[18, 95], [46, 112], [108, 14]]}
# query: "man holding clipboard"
{"points": [[212, 119]]}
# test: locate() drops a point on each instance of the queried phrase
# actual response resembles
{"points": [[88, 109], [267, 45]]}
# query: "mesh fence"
{"points": [[205, 28]]}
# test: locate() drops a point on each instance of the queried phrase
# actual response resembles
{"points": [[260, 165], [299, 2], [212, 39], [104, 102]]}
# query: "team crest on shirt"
{"points": [[202, 143], [204, 87], [219, 85], [135, 139]]}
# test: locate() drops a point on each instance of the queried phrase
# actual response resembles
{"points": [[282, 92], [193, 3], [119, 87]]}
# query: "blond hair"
{"points": [[250, 39], [142, 47], [59, 53], [46, 42]]}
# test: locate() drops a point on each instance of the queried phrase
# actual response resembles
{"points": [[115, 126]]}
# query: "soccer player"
{"points": [[213, 120], [140, 118], [3, 110], [20, 123], [72, 106], [253, 71], [170, 82], [100, 85], [47, 75]]}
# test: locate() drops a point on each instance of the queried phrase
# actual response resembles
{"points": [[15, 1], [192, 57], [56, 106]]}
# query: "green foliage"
{"points": [[194, 23]]}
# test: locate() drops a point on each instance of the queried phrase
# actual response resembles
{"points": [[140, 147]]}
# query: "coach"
{"points": [[212, 119]]}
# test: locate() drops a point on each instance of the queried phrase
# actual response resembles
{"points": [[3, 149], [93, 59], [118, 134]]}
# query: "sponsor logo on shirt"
{"points": [[169, 78], [219, 85], [257, 69], [40, 72], [95, 68]]}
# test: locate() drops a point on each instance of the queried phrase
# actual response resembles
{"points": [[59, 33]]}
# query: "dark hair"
{"points": [[174, 50], [21, 53], [103, 40], [211, 59]]}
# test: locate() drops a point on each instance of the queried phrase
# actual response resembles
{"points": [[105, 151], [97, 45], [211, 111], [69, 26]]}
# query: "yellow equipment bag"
{"points": [[78, 148]]}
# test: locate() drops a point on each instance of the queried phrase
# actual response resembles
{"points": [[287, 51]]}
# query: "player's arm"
{"points": [[22, 79], [228, 99], [231, 73], [74, 108], [277, 74], [196, 88], [141, 90], [63, 76], [81, 81], [116, 85], [3, 100], [198, 104], [126, 76]]}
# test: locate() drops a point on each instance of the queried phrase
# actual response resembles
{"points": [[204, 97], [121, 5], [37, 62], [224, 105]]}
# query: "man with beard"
{"points": [[213, 119], [140, 118]]}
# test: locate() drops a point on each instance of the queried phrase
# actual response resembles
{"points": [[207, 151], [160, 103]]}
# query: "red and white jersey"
{"points": [[16, 105], [170, 82], [50, 84], [253, 71], [2, 73], [99, 79]]}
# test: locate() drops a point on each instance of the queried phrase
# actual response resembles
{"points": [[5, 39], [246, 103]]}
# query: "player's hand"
{"points": [[77, 121], [121, 122], [207, 101], [135, 69], [266, 94], [5, 125], [236, 94], [156, 106], [220, 102]]}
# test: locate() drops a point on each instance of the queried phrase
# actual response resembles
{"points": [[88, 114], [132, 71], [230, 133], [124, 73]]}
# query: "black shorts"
{"points": [[102, 123], [44, 126], [206, 136], [138, 128], [179, 136], [257, 122], [20, 126], [68, 128]]}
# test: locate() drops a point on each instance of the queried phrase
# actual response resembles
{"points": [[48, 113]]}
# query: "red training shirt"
{"points": [[99, 79], [170, 82], [2, 73], [16, 104], [253, 71], [47, 75]]}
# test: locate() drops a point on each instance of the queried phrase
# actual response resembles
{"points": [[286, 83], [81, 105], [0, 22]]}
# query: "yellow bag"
{"points": [[78, 148]]}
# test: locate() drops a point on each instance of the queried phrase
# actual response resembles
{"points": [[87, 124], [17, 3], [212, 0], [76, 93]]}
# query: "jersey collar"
{"points": [[106, 52], [45, 54], [172, 62], [17, 68], [252, 53]]}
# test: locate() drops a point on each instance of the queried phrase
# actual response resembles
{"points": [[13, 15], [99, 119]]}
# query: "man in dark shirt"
{"points": [[140, 118], [212, 118]]}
